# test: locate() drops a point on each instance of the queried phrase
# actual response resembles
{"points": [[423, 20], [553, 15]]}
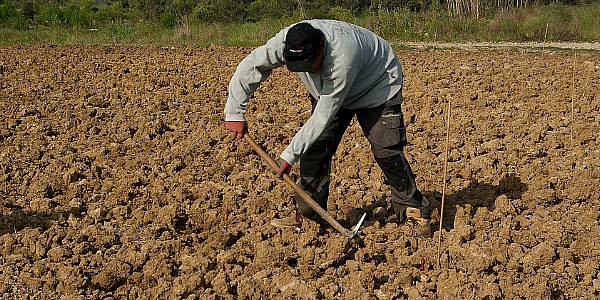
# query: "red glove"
{"points": [[284, 168], [237, 129]]}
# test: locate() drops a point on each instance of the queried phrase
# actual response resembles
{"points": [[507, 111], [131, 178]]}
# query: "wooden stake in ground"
{"points": [[572, 101], [444, 185]]}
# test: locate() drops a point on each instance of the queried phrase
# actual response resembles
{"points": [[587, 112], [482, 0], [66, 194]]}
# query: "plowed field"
{"points": [[118, 180]]}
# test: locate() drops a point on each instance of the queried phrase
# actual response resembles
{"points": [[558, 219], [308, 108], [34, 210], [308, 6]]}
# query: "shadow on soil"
{"points": [[476, 194], [18, 219]]}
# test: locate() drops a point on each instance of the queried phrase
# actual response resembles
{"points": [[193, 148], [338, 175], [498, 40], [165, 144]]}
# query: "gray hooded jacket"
{"points": [[360, 70]]}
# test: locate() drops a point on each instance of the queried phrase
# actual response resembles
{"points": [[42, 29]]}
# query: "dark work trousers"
{"points": [[384, 128]]}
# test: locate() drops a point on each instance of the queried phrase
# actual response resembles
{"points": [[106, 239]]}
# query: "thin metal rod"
{"points": [[572, 101], [444, 185]]}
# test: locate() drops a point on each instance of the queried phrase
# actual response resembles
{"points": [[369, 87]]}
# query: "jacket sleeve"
{"points": [[250, 72], [337, 80]]}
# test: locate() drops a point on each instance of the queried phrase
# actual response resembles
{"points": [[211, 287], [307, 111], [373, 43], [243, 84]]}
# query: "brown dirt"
{"points": [[118, 180]]}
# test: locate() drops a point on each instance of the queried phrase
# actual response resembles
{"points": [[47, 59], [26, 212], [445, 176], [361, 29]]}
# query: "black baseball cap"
{"points": [[302, 46]]}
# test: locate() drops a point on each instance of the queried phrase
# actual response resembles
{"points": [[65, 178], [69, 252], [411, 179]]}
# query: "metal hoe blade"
{"points": [[357, 226]]}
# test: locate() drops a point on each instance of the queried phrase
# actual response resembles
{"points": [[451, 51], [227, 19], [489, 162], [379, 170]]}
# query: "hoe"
{"points": [[347, 233]]}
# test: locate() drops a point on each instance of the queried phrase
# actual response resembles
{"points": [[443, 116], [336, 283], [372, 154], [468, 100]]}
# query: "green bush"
{"points": [[205, 11], [342, 14], [74, 14], [49, 15], [168, 20], [229, 11], [182, 7], [11, 17], [110, 13], [268, 9], [78, 13]]}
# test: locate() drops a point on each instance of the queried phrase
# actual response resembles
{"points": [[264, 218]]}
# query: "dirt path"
{"points": [[504, 45], [118, 180]]}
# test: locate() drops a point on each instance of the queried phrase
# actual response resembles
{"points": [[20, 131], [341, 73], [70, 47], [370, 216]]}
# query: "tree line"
{"points": [[23, 14]]}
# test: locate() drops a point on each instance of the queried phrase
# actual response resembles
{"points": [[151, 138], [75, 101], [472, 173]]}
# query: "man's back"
{"points": [[351, 48]]}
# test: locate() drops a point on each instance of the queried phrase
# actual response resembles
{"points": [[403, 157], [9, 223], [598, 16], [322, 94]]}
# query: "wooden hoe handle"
{"points": [[306, 197]]}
